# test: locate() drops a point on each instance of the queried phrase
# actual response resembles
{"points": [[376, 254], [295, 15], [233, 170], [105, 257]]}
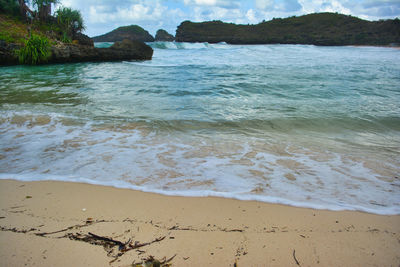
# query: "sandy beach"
{"points": [[71, 224]]}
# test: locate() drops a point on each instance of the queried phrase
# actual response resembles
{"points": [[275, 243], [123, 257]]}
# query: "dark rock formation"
{"points": [[317, 29], [164, 36], [7, 53], [127, 50], [65, 53], [83, 39], [132, 32]]}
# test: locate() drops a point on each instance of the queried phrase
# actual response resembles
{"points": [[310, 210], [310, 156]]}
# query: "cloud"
{"points": [[367, 9], [264, 4], [102, 16], [134, 12], [214, 3], [278, 5], [312, 6], [375, 8]]}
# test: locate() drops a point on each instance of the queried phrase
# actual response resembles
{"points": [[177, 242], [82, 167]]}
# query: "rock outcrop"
{"points": [[132, 32], [65, 53], [83, 39], [316, 29], [164, 36], [7, 53]]}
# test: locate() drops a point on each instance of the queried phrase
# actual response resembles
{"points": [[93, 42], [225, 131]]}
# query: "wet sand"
{"points": [[71, 224]]}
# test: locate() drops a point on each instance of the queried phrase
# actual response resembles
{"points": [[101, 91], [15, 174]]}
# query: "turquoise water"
{"points": [[300, 125]]}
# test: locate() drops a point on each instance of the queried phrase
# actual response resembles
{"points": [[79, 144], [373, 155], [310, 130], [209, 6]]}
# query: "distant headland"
{"points": [[324, 29], [328, 29]]}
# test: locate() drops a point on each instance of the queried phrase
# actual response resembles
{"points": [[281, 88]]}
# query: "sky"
{"points": [[102, 16]]}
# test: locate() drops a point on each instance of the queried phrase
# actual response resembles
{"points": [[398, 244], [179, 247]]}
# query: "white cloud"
{"points": [[264, 4], [213, 3], [312, 6], [251, 16], [278, 5], [206, 2]]}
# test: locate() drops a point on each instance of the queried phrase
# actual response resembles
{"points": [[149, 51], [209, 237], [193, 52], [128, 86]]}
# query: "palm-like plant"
{"points": [[70, 21]]}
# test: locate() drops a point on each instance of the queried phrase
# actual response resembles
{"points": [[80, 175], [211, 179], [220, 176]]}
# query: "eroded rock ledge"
{"points": [[66, 53]]}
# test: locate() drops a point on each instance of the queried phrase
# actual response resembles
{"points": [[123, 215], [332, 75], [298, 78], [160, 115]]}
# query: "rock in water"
{"points": [[164, 36], [83, 39], [65, 53], [141, 49], [125, 50]]}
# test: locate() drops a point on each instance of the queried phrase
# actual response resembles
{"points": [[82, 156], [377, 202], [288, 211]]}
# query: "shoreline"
{"points": [[214, 194], [52, 223]]}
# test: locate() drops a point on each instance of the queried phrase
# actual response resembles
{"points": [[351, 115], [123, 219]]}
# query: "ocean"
{"points": [[300, 125]]}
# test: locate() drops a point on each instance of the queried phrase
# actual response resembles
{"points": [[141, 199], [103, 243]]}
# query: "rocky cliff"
{"points": [[132, 32], [317, 29], [164, 36]]}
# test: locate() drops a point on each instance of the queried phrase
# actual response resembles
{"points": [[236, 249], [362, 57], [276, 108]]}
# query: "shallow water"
{"points": [[301, 125]]}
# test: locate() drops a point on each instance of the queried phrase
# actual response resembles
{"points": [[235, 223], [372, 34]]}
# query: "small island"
{"points": [[131, 32], [164, 36], [37, 37]]}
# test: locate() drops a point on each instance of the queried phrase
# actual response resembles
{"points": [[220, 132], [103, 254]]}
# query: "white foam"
{"points": [[189, 46], [239, 195], [135, 157]]}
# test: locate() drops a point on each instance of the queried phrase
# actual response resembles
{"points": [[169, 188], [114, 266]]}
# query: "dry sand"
{"points": [[46, 224]]}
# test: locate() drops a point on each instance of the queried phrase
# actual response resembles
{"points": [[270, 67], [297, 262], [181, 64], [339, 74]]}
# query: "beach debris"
{"points": [[77, 226], [114, 248], [177, 228], [294, 257], [150, 261], [241, 251], [232, 230], [15, 230], [28, 197], [89, 220], [84, 209]]}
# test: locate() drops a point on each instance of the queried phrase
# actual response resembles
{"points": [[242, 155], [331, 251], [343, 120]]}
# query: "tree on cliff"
{"points": [[70, 21], [44, 8], [24, 9], [13, 7]]}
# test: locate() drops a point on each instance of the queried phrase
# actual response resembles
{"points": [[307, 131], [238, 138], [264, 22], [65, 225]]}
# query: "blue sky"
{"points": [[102, 16]]}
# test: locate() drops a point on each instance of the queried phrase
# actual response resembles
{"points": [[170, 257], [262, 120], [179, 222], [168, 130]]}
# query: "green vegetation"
{"points": [[317, 29], [12, 29], [70, 21], [33, 37], [18, 22], [9, 7], [35, 51], [132, 28]]}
